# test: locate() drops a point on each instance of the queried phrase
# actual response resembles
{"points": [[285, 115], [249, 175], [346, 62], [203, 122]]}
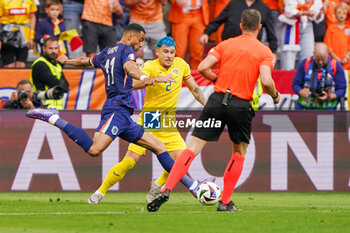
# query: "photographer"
{"points": [[319, 81], [23, 97], [47, 75]]}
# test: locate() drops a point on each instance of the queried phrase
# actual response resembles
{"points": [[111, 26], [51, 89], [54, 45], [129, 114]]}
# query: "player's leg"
{"points": [[183, 162], [92, 147], [239, 117], [157, 147], [179, 170], [115, 175], [119, 170], [160, 181], [200, 136], [157, 183], [175, 145], [232, 173]]}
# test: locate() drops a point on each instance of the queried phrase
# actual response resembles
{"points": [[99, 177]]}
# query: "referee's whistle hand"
{"points": [[277, 100]]}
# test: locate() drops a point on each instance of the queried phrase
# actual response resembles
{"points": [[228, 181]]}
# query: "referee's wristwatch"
{"points": [[275, 96]]}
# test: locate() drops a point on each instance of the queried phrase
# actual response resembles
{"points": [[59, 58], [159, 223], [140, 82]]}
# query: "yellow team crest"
{"points": [[175, 71]]}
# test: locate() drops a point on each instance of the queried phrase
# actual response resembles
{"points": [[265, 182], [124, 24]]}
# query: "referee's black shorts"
{"points": [[237, 115]]}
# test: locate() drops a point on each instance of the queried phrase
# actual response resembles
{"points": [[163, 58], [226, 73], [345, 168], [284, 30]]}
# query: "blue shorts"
{"points": [[116, 122]]}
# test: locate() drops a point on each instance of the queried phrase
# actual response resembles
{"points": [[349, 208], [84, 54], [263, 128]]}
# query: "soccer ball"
{"points": [[208, 193]]}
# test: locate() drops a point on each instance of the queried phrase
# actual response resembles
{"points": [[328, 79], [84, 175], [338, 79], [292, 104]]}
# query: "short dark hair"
{"points": [[250, 19], [22, 82], [134, 27], [52, 2], [47, 39]]}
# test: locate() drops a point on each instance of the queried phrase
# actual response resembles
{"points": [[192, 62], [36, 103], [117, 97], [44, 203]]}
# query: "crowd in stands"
{"points": [[290, 27]]}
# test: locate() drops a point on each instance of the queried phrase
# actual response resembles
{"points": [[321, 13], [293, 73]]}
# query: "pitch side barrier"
{"points": [[290, 151]]}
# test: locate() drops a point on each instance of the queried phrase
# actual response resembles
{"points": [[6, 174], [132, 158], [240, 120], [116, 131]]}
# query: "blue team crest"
{"points": [[152, 120], [175, 71]]}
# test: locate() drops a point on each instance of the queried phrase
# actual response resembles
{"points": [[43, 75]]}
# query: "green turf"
{"points": [[126, 212]]}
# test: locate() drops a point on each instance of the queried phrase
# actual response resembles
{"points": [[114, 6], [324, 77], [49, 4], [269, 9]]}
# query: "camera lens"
{"points": [[22, 95]]}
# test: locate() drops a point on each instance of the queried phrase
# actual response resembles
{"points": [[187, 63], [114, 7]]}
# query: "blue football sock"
{"points": [[78, 135], [167, 163], [60, 123]]}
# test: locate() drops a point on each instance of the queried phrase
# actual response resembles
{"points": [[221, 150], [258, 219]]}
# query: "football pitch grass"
{"points": [[126, 212]]}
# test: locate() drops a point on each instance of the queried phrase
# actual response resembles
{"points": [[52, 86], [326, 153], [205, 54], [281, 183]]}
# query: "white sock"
{"points": [[53, 119], [99, 193], [194, 185]]}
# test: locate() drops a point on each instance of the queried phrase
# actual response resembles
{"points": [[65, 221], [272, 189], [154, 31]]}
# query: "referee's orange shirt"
{"points": [[240, 60]]}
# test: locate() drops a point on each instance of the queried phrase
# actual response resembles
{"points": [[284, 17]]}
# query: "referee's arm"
{"points": [[268, 83], [204, 68]]}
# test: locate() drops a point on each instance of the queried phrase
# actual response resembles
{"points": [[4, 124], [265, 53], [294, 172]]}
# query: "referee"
{"points": [[241, 60]]}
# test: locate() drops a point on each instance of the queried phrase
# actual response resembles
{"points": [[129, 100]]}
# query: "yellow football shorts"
{"points": [[172, 140]]}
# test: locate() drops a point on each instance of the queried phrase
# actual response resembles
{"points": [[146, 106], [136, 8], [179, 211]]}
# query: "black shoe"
{"points": [[229, 207], [156, 203]]}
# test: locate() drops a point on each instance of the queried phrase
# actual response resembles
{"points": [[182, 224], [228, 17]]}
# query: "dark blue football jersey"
{"points": [[117, 82]]}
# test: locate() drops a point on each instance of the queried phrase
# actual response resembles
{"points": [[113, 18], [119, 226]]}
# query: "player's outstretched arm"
{"points": [[78, 61], [138, 84], [204, 68], [195, 90], [268, 83], [135, 73]]}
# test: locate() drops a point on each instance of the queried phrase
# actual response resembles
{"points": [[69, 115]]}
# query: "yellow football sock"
{"points": [[116, 174], [162, 179]]}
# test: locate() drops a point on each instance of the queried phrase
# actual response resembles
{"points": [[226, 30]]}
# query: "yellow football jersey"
{"points": [[16, 11], [165, 95]]}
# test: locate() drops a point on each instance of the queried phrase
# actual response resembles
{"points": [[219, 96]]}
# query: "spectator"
{"points": [[23, 97], [338, 37], [297, 30], [97, 23], [120, 23], [139, 62], [329, 6], [72, 10], [47, 73], [219, 7], [52, 26], [319, 81], [149, 14], [230, 16], [17, 19], [275, 12], [138, 96], [188, 19]]}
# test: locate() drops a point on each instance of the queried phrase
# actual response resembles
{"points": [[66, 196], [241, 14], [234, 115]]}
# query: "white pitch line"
{"points": [[167, 212]]}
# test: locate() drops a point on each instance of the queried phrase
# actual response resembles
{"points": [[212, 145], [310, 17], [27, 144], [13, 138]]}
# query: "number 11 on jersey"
{"points": [[110, 73]]}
